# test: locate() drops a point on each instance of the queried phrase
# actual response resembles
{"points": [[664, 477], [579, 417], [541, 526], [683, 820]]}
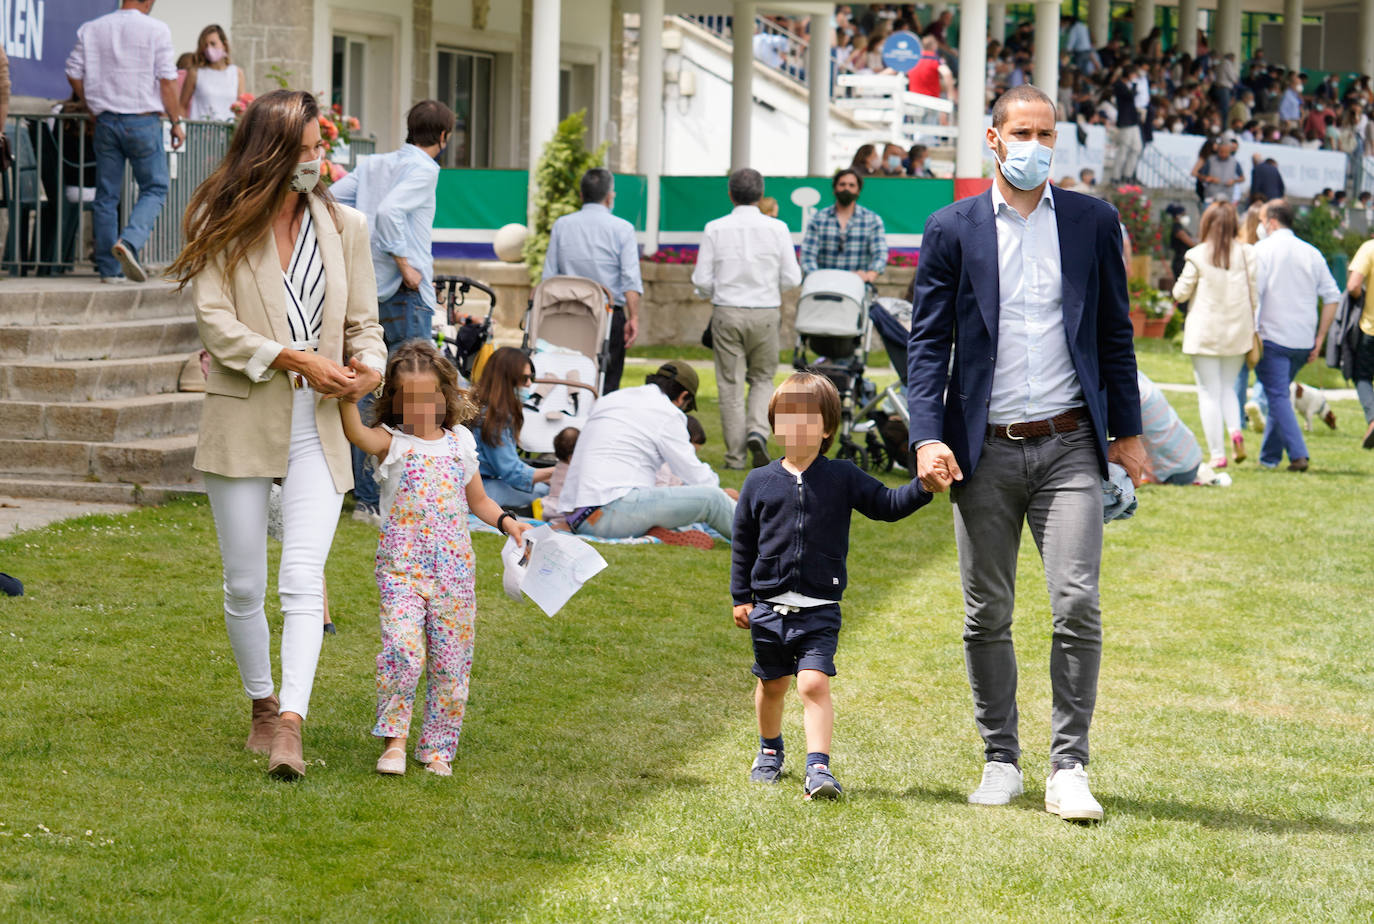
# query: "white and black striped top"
{"points": [[304, 279]]}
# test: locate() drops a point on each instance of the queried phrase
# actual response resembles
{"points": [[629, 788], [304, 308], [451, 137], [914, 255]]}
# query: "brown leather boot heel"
{"points": [[286, 761], [264, 725]]}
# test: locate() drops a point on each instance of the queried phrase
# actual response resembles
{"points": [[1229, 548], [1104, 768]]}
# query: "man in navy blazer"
{"points": [[1026, 284]]}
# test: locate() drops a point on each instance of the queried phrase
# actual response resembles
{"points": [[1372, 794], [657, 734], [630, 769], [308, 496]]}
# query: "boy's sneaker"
{"points": [[128, 261], [767, 766], [820, 783], [1067, 795], [367, 513], [1001, 783]]}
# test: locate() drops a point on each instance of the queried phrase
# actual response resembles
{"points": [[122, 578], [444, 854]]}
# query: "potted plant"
{"points": [[1158, 306]]}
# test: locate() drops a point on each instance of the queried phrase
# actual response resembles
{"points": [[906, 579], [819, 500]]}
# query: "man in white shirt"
{"points": [[745, 261], [123, 67], [1291, 278], [631, 433]]}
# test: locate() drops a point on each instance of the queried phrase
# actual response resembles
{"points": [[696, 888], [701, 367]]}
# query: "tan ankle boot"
{"points": [[286, 761], [264, 725]]}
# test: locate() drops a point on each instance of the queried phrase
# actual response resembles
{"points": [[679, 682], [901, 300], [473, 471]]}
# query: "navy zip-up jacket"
{"points": [[792, 531]]}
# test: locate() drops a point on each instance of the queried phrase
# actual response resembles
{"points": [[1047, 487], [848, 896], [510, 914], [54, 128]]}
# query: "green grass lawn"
{"points": [[602, 770]]}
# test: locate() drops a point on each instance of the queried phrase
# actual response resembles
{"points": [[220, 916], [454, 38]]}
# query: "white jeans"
{"points": [[310, 512], [1216, 399]]}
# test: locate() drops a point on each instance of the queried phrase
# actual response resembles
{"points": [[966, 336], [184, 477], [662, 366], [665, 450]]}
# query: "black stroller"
{"points": [[468, 343]]}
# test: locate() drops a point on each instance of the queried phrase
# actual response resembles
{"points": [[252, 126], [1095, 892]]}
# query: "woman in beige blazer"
{"points": [[283, 287], [1218, 281]]}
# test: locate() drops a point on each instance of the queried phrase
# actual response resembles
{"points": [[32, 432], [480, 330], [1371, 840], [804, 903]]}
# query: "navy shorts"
{"points": [[800, 641]]}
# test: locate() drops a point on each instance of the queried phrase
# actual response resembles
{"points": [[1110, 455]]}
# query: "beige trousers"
{"points": [[745, 341]]}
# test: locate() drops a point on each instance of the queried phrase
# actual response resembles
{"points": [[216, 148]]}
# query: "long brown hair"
{"points": [[1218, 229], [199, 59], [418, 356], [231, 211], [496, 396]]}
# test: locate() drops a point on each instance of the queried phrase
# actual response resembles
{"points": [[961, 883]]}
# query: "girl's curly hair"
{"points": [[416, 356]]}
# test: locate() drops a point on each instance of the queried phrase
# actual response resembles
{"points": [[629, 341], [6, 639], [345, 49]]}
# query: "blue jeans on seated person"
{"points": [[643, 508], [1277, 369], [404, 316], [507, 496], [137, 139]]}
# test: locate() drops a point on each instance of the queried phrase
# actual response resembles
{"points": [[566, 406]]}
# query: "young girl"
{"points": [[425, 569], [787, 572]]}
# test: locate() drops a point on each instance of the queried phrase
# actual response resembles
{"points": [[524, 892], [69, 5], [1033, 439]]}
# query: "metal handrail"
{"points": [[794, 56], [51, 184], [1158, 171]]}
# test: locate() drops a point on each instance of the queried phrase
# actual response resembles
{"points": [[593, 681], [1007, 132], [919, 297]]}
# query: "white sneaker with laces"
{"points": [[1001, 783], [1067, 795]]}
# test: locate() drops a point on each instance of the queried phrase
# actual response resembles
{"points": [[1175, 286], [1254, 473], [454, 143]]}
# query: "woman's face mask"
{"points": [[214, 54], [306, 175], [894, 162]]}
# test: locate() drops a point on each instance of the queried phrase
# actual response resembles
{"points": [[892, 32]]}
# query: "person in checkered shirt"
{"points": [[845, 236]]}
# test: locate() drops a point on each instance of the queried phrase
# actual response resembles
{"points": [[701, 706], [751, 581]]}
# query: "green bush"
{"points": [[557, 180]]}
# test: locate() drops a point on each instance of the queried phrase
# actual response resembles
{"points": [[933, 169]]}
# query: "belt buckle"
{"points": [[1013, 436]]}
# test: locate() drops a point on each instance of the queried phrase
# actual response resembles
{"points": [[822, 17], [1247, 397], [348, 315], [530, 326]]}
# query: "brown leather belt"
{"points": [[1066, 422]]}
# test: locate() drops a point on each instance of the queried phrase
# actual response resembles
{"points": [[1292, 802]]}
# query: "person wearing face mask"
{"points": [[1030, 282], [845, 236], [283, 287], [894, 160], [502, 390], [396, 193], [213, 82]]}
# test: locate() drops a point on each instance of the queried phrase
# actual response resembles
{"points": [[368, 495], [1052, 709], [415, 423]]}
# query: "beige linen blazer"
{"points": [[245, 426], [1221, 316]]}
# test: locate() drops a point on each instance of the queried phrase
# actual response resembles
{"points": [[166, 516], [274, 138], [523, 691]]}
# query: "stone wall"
{"points": [[423, 21], [671, 312], [268, 33]]}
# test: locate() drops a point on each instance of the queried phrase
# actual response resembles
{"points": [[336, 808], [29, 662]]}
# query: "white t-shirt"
{"points": [[389, 471]]}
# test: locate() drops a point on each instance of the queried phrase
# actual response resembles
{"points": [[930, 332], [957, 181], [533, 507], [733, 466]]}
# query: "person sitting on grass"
{"points": [[564, 444], [425, 570], [788, 568]]}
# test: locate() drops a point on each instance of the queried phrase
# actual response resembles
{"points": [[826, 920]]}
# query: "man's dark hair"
{"points": [[666, 384], [1022, 94], [746, 186], [1280, 211], [847, 171], [597, 184], [427, 122]]}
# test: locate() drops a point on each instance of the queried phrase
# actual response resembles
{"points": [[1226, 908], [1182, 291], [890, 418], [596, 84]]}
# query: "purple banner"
{"points": [[38, 35]]}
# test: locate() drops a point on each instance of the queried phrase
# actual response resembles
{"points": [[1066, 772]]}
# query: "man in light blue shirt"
{"points": [[396, 193], [596, 245]]}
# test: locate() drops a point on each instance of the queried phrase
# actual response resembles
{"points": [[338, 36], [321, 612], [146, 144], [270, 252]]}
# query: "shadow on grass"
{"points": [[1232, 819]]}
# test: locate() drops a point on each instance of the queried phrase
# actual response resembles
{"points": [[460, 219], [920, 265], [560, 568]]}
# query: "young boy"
{"points": [[787, 575]]}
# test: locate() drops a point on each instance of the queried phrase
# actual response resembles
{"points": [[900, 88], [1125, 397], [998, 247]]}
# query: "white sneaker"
{"points": [[366, 513], [1001, 783], [1067, 795]]}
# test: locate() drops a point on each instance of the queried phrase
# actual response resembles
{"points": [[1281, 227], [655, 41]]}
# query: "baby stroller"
{"points": [[567, 337], [833, 322], [466, 344], [891, 318]]}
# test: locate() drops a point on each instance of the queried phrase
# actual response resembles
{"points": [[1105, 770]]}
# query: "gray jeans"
{"points": [[1054, 484], [745, 342]]}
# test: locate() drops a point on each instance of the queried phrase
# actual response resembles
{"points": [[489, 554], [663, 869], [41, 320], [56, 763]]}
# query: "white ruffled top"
{"points": [[388, 472]]}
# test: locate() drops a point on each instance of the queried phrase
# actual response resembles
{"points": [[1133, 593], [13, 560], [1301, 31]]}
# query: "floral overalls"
{"points": [[426, 574]]}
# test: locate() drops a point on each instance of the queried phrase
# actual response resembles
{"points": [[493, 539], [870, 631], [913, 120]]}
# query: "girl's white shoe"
{"points": [[439, 767], [392, 762]]}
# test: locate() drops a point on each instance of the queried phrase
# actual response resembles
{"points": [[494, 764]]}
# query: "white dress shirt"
{"points": [[630, 434], [1033, 377], [1292, 277], [746, 259], [1141, 85], [121, 57]]}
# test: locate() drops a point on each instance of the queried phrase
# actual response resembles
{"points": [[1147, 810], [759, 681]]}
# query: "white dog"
{"points": [[1309, 402]]}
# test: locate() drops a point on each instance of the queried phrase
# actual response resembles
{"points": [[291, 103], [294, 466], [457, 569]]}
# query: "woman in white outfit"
{"points": [[1218, 280], [284, 290], [213, 82]]}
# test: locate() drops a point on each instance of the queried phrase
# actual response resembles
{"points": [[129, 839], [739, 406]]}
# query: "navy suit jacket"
{"points": [[956, 303], [1266, 181]]}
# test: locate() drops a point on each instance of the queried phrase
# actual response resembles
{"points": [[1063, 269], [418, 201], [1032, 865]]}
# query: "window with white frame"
{"points": [[348, 75]]}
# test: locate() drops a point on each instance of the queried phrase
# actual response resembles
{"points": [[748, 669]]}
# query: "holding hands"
{"points": [[936, 467]]}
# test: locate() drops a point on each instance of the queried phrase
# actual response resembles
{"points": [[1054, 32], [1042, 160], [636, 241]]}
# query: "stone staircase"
{"points": [[89, 407]]}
